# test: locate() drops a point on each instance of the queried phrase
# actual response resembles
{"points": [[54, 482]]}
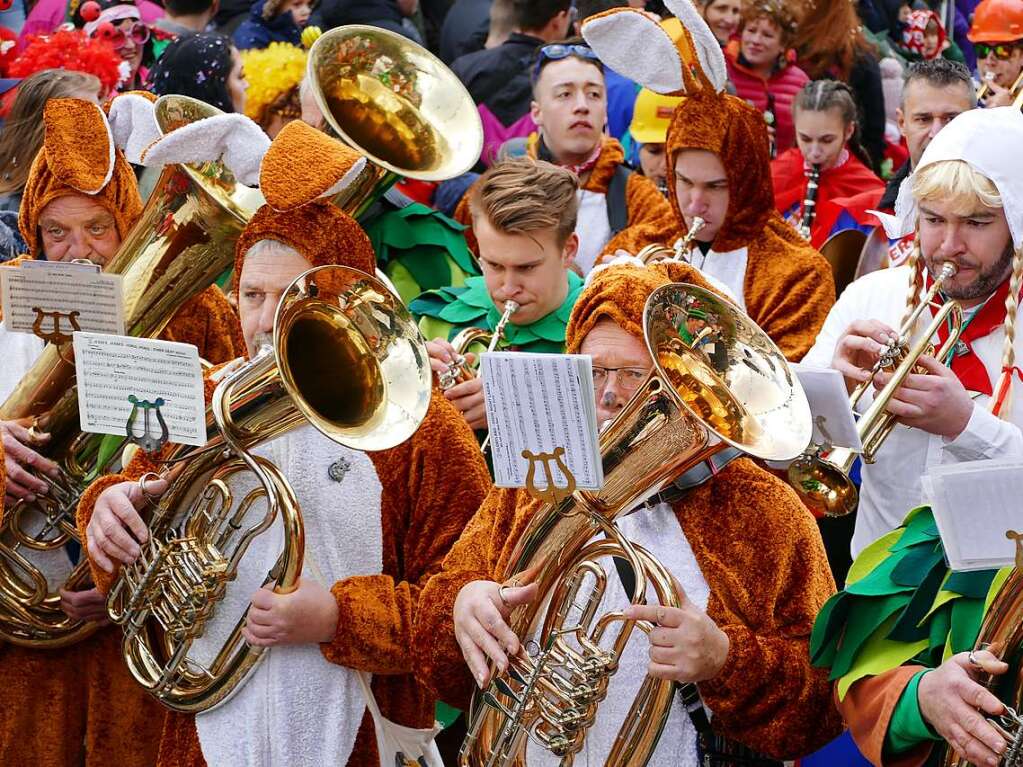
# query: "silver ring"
{"points": [[150, 499], [972, 661], [500, 593]]}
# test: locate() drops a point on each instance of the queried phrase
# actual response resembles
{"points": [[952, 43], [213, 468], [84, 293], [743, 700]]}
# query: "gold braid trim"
{"points": [[1009, 344]]}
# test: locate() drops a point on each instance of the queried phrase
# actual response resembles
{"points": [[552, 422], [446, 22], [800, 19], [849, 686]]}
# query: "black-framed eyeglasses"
{"points": [[559, 51], [629, 379], [1002, 51]]}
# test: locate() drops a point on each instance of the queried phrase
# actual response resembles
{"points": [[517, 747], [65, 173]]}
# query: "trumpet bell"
{"points": [[822, 486], [726, 372], [395, 102]]}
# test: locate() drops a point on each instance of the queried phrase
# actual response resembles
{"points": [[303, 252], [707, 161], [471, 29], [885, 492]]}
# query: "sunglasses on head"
{"points": [[559, 51], [1002, 51]]}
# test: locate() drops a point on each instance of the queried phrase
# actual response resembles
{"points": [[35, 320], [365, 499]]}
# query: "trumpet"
{"points": [[655, 252], [821, 475], [460, 370]]}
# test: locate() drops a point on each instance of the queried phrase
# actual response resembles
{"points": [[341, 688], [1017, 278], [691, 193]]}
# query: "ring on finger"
{"points": [[150, 499], [500, 593], [972, 660]]}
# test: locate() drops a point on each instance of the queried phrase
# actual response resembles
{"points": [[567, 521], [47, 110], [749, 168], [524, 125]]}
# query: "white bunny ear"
{"points": [[233, 139], [708, 49], [133, 125], [634, 45]]}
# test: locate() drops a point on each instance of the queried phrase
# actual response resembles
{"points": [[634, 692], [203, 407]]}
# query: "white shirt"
{"points": [[892, 485], [592, 227], [658, 531], [728, 268]]}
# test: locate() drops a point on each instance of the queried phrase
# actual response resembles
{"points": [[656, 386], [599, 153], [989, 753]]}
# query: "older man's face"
{"points": [[621, 362], [78, 227], [266, 274]]}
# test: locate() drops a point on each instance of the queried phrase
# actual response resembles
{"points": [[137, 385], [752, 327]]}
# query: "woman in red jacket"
{"points": [[828, 152], [761, 65]]}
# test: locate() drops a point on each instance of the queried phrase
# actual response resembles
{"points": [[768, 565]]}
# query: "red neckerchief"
{"points": [[965, 363], [586, 165]]}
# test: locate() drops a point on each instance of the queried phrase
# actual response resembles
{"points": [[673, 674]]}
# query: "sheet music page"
{"points": [[110, 369], [35, 292], [833, 419], [976, 507], [539, 402]]}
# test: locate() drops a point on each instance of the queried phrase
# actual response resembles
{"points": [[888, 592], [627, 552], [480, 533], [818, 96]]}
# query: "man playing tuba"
{"points": [[961, 198], [378, 524], [80, 201], [747, 561]]}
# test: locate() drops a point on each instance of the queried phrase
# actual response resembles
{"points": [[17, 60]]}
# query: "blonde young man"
{"points": [[524, 214], [80, 202], [377, 524]]}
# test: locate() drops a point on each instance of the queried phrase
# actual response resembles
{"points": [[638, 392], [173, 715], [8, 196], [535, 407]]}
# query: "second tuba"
{"points": [[182, 242], [347, 358], [718, 382]]}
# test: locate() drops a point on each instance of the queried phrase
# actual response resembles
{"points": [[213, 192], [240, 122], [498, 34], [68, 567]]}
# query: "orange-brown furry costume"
{"points": [[757, 548], [788, 286], [432, 484], [79, 705], [648, 212]]}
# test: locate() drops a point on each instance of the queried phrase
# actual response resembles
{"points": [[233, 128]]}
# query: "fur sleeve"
{"points": [[651, 219], [789, 289], [209, 323], [763, 558], [464, 217], [476, 556], [433, 484]]}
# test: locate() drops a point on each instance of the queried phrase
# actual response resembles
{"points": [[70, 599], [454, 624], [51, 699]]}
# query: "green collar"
{"points": [[472, 306]]}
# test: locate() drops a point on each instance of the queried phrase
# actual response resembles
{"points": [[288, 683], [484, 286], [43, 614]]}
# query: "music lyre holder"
{"points": [[551, 493], [147, 440], [55, 336]]}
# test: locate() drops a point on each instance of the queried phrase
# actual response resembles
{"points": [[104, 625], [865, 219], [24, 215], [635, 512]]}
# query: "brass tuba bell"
{"points": [[718, 381], [182, 242], [346, 358], [397, 104]]}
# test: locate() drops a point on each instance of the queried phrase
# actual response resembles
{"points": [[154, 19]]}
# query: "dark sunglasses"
{"points": [[559, 51], [1002, 51]]}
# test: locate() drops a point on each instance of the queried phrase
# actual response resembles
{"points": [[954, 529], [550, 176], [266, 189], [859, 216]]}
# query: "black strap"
{"points": [[617, 208]]}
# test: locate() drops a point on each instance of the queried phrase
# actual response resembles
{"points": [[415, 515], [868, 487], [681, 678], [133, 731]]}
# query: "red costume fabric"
{"points": [[781, 87]]}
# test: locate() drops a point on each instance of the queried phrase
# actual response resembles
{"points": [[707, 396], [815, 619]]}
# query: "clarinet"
{"points": [[810, 203]]}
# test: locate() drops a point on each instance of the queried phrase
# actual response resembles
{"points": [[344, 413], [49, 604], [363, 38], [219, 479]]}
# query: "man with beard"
{"points": [[957, 409]]}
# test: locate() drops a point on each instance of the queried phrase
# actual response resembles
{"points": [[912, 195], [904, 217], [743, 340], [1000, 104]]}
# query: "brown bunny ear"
{"points": [[633, 44], [304, 164], [78, 144]]}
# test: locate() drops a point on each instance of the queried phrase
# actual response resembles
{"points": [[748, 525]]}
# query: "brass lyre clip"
{"points": [[551, 492], [55, 336], [147, 441]]}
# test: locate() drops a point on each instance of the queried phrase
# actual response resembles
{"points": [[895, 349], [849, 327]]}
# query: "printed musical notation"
{"points": [[111, 369], [540, 402], [52, 300]]}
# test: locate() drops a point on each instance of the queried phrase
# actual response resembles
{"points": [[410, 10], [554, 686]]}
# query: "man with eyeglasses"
{"points": [[997, 37], [747, 561], [570, 111]]}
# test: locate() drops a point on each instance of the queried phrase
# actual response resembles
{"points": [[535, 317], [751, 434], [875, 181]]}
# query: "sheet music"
{"points": [[833, 419], [54, 287], [112, 368], [975, 505], [539, 402]]}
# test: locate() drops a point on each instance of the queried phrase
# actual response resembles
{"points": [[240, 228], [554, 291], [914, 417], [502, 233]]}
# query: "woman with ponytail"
{"points": [[828, 148]]}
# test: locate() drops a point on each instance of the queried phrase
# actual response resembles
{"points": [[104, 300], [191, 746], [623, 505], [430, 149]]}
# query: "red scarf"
{"points": [[965, 363]]}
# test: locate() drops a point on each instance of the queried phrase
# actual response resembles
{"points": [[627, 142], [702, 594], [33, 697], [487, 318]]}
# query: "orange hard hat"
{"points": [[997, 21]]}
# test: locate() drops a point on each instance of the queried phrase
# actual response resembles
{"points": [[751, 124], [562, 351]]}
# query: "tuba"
{"points": [[397, 104], [346, 358], [820, 476], [1002, 633], [183, 241], [718, 381]]}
